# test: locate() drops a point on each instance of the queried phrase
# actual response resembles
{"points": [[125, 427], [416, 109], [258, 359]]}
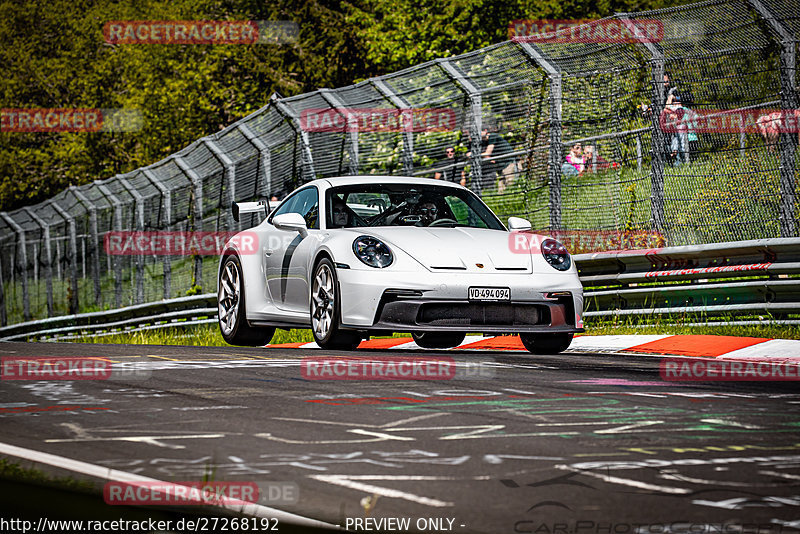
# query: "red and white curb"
{"points": [[703, 346]]}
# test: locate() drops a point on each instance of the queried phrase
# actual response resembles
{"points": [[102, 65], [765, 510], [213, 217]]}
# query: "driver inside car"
{"points": [[341, 214], [428, 211]]}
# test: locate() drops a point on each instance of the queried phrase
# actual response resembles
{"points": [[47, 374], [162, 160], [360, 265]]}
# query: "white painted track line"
{"points": [[114, 475]]}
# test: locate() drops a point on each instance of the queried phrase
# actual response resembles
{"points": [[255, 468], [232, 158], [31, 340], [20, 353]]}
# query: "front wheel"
{"points": [[326, 310], [438, 340], [546, 343], [230, 299]]}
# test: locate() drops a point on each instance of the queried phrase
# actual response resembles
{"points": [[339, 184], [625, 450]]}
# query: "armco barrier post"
{"points": [[48, 257], [72, 255], [658, 139], [138, 200], [22, 262], [554, 159], [197, 215], [117, 203], [475, 121], [408, 137], [788, 63], [352, 128], [166, 221], [94, 243]]}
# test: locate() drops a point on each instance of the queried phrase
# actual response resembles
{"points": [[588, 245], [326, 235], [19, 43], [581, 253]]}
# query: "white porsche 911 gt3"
{"points": [[361, 256]]}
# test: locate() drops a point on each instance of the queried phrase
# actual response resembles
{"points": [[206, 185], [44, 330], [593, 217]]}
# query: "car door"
{"points": [[286, 253]]}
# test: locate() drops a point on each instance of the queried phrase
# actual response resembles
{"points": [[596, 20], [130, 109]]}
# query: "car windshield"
{"points": [[406, 205]]}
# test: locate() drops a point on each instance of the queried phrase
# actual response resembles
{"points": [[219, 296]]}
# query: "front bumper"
{"points": [[422, 315], [419, 301]]}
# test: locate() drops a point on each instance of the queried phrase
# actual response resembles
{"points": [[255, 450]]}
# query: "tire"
{"points": [[230, 301], [546, 343], [438, 340], [326, 310]]}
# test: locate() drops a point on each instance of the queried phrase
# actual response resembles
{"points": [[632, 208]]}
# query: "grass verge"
{"points": [[209, 335]]}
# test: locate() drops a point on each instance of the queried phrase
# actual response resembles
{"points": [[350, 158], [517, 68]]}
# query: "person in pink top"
{"points": [[574, 164]]}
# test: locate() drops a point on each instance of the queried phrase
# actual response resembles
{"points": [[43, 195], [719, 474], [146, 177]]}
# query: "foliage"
{"points": [[54, 56]]}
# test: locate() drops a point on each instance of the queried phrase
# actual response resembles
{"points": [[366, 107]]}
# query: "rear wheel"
{"points": [[230, 300], [438, 340], [546, 343], [326, 310]]}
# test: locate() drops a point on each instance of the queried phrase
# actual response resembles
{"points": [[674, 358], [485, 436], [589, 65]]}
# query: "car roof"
{"points": [[375, 179]]}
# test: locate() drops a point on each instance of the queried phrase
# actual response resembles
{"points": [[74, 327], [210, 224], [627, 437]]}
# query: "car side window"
{"points": [[304, 202]]}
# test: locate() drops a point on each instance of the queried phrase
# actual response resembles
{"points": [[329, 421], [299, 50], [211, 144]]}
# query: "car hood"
{"points": [[461, 249]]}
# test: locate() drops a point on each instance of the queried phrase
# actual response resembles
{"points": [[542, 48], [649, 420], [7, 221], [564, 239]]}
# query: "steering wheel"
{"points": [[442, 222]]}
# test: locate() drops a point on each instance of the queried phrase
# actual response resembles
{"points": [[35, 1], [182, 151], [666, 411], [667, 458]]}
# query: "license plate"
{"points": [[489, 293]]}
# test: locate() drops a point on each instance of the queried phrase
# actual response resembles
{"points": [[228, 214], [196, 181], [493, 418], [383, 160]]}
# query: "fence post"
{"points": [[638, 152], [23, 262], [117, 203], [408, 137], [166, 219], [555, 158], [230, 178], [336, 103], [788, 168], [72, 255], [138, 201], [265, 185], [289, 112], [475, 121], [3, 316], [95, 243], [48, 253], [658, 139], [197, 182]]}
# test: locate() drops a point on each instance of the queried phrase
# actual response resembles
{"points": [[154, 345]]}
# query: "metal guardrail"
{"points": [[748, 278], [739, 279], [196, 309]]}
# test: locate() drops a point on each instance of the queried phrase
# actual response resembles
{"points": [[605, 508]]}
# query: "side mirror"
{"points": [[238, 208], [291, 222], [518, 224]]}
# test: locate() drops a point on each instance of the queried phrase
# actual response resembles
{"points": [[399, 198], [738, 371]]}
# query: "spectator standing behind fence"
{"points": [[448, 168], [690, 117], [677, 120], [493, 146], [677, 142], [573, 166]]}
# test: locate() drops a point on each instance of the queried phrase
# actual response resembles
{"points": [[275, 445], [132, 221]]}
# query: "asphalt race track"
{"points": [[571, 444]]}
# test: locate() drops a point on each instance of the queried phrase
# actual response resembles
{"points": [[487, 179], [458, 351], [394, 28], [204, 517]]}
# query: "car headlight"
{"points": [[556, 254], [372, 251]]}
